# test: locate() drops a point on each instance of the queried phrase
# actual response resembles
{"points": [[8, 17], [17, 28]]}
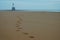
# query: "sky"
{"points": [[34, 5]]}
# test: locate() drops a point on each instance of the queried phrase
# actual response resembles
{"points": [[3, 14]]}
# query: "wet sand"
{"points": [[29, 25]]}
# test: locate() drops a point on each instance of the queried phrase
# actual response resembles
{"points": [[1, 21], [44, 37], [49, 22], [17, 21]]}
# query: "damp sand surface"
{"points": [[34, 25]]}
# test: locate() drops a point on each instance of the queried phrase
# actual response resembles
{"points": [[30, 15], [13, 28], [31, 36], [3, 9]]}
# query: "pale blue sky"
{"points": [[38, 5]]}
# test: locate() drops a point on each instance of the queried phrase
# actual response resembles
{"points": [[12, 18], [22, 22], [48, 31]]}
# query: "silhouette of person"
{"points": [[13, 8]]}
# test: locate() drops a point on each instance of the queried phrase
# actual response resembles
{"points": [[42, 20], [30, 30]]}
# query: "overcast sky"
{"points": [[47, 5]]}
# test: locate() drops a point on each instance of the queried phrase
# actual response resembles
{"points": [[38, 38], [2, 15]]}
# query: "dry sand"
{"points": [[29, 25]]}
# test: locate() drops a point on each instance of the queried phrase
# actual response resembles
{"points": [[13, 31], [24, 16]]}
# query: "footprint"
{"points": [[26, 33], [31, 37], [19, 18], [18, 26], [17, 30], [19, 22]]}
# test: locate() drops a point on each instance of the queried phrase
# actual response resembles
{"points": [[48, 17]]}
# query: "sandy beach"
{"points": [[16, 25]]}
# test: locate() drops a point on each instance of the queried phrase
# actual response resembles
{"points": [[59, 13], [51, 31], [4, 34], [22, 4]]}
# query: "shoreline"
{"points": [[29, 11]]}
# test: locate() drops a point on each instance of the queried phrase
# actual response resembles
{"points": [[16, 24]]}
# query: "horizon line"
{"points": [[30, 11]]}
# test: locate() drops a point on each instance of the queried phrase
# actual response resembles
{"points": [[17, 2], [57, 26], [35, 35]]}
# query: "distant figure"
{"points": [[13, 8]]}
